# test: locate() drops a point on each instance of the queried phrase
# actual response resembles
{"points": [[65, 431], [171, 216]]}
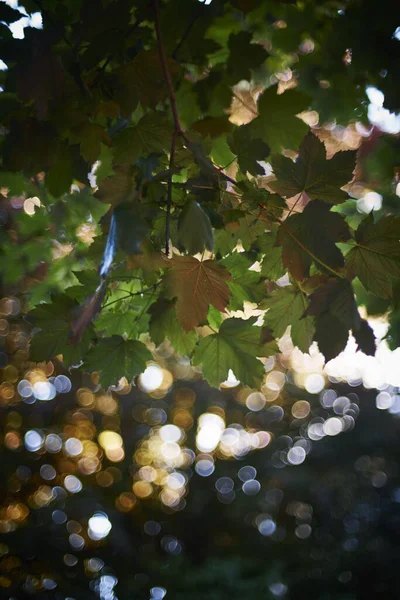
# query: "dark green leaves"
{"points": [[375, 259], [142, 81], [164, 324], [286, 307], [277, 124], [131, 228], [249, 150], [115, 357], [194, 228], [310, 237], [54, 336], [241, 61], [236, 347], [271, 263], [334, 306], [312, 174], [151, 134]]}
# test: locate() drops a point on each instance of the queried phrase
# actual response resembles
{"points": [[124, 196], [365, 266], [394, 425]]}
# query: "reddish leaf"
{"points": [[196, 284]]}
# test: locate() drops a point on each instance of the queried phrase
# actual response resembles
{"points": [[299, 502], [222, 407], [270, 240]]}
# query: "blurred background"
{"points": [[167, 486]]}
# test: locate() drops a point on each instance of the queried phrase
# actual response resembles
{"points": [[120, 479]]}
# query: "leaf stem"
{"points": [[131, 295], [169, 193]]}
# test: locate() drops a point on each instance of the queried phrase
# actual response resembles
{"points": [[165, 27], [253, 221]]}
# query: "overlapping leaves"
{"points": [[106, 111]]}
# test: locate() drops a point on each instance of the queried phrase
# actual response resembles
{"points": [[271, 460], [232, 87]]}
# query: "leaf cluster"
{"points": [[147, 213]]}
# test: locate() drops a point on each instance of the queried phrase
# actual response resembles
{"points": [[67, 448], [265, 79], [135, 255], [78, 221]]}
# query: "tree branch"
{"points": [[165, 69]]}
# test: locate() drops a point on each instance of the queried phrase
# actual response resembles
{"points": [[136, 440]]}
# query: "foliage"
{"points": [[122, 122]]}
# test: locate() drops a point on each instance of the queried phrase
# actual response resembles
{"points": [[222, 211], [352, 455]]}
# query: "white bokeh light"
{"points": [[99, 526]]}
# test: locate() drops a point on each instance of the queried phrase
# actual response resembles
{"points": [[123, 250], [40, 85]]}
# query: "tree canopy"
{"points": [[198, 190], [166, 165]]}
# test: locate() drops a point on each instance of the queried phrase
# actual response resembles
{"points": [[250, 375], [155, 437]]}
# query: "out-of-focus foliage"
{"points": [[194, 154]]}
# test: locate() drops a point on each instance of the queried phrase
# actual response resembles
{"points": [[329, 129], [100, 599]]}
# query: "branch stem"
{"points": [[169, 193], [165, 69]]}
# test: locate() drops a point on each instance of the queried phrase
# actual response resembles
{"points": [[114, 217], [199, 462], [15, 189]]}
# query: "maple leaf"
{"points": [[241, 63], [115, 357], [365, 338], [236, 346], [286, 306], [311, 236], [277, 124], [196, 284], [249, 150], [335, 296], [375, 259], [312, 174], [142, 81], [151, 134], [164, 324], [330, 335], [334, 306], [245, 285], [194, 228], [118, 187], [53, 337], [271, 260]]}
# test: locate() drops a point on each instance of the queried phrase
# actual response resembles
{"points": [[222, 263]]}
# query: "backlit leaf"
{"points": [[236, 346], [277, 123], [311, 236], [196, 284], [286, 307], [194, 228], [115, 357], [312, 174], [164, 324], [375, 258]]}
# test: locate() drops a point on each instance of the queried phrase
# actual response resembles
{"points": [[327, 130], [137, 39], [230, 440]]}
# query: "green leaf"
{"points": [[243, 57], [249, 150], [334, 306], [115, 322], [312, 174], [53, 337], [195, 232], [164, 324], [132, 229], [375, 259], [142, 81], [236, 346], [115, 357], [277, 124], [311, 236], [286, 306], [60, 176], [245, 285], [152, 134], [117, 188], [16, 184], [271, 263], [196, 284]]}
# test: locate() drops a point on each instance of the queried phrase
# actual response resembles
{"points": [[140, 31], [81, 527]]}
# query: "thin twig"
{"points": [[169, 193], [130, 295], [166, 73], [177, 125], [184, 37]]}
